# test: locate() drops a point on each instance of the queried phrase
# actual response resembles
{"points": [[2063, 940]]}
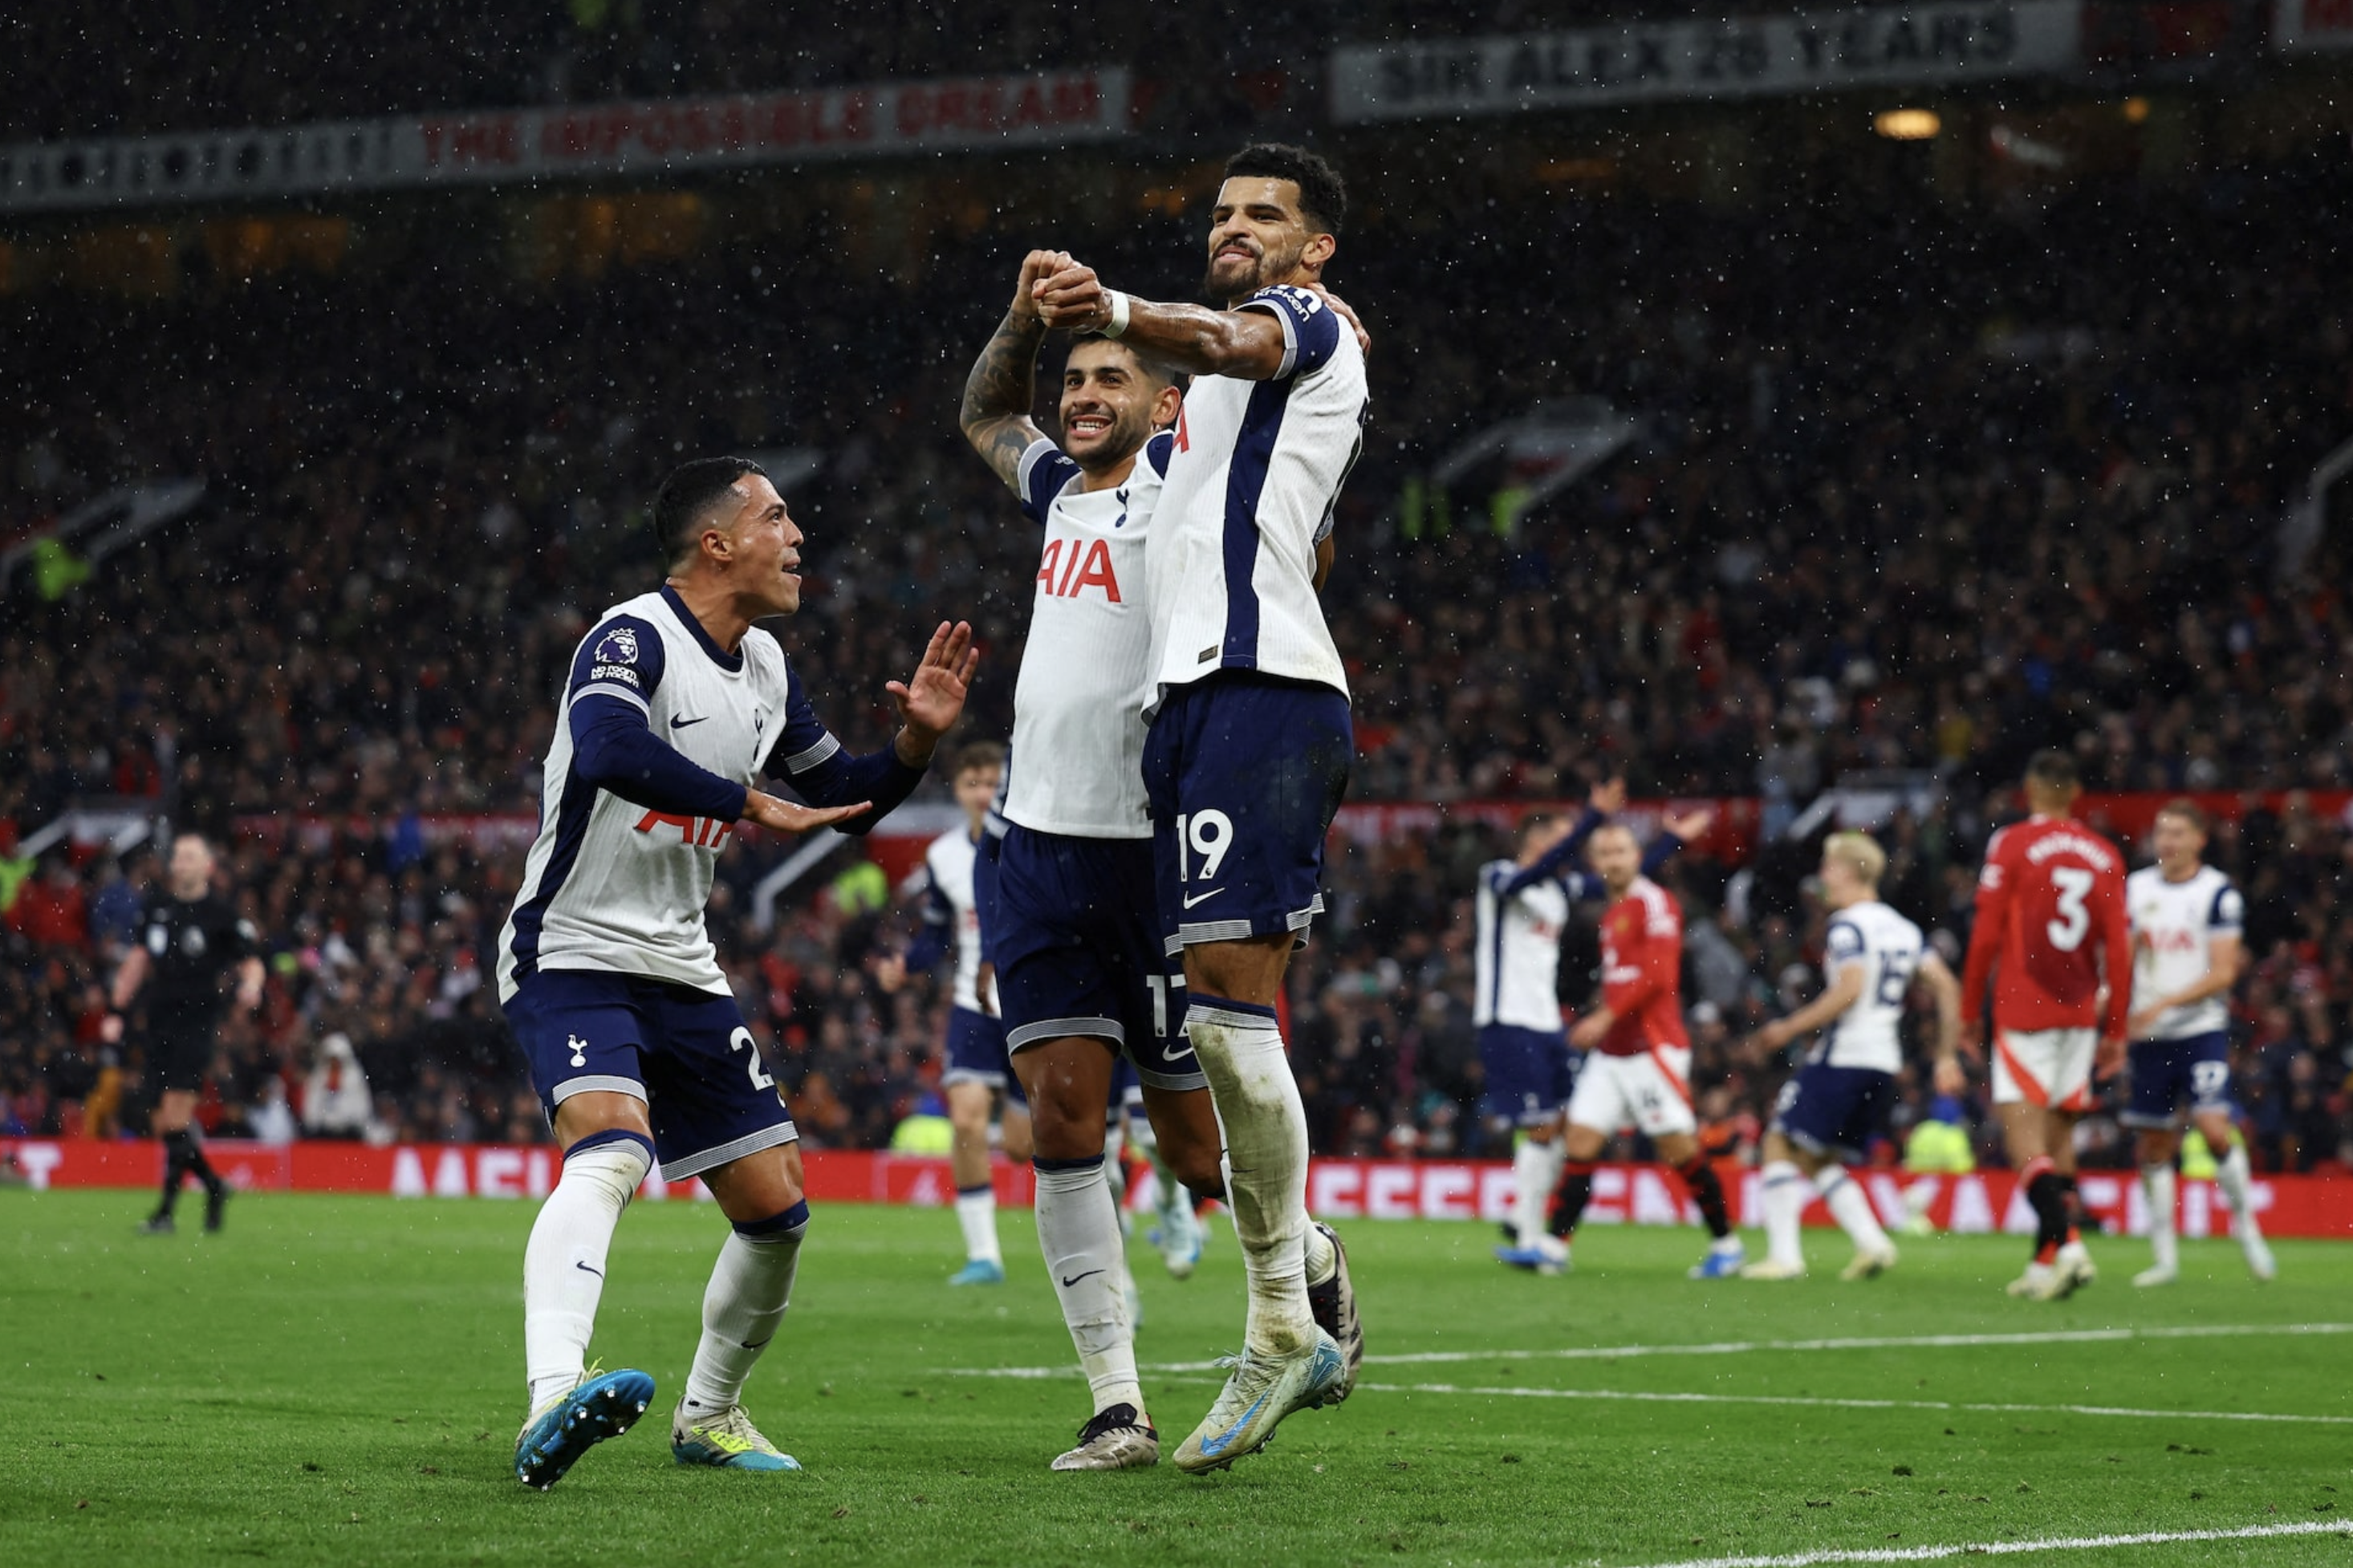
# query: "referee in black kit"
{"points": [[187, 939]]}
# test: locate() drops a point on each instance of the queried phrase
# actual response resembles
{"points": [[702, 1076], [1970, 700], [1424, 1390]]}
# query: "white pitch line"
{"points": [[1646, 1396], [1750, 1347], [2003, 1548]]}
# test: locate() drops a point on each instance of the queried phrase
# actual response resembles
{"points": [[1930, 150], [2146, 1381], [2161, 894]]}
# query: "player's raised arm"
{"points": [[1279, 332], [1000, 391]]}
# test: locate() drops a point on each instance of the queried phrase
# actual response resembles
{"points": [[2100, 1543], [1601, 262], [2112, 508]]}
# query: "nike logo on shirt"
{"points": [[1196, 898], [682, 723]]}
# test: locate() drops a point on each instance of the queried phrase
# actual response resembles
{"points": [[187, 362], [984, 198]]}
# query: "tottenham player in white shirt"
{"points": [[1249, 745], [977, 1071], [1073, 927], [674, 703], [1840, 1098], [2186, 924]]}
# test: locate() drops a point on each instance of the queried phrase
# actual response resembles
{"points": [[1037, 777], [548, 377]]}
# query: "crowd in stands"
{"points": [[1918, 487]]}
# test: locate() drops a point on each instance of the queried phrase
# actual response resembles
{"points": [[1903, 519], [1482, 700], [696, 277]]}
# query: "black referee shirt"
{"points": [[190, 944]]}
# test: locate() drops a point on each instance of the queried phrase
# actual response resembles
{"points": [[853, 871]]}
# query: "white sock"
{"points": [[977, 1211], [1078, 1230], [564, 1264], [2233, 1176], [1535, 1169], [2158, 1182], [1851, 1206], [1785, 1200], [1258, 1103], [750, 1288], [1321, 1257]]}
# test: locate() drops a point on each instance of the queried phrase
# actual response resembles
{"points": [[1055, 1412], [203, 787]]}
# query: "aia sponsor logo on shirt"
{"points": [[1069, 572]]}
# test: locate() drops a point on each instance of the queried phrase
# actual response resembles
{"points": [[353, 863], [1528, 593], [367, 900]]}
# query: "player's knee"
{"points": [[615, 1158], [1198, 1165], [1019, 1144], [968, 1108], [785, 1227]]}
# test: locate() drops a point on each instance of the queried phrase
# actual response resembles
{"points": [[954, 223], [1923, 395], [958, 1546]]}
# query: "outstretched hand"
{"points": [[932, 700], [1690, 824], [1609, 796], [780, 815]]}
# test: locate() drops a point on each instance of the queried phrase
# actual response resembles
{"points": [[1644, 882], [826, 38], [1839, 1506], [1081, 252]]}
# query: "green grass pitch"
{"points": [[338, 1380]]}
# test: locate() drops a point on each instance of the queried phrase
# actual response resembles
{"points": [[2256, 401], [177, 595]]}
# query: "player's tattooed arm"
{"points": [[1249, 345], [1000, 393], [1246, 344]]}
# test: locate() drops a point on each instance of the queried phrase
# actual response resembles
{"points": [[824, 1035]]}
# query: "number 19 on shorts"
{"points": [[1204, 835]]}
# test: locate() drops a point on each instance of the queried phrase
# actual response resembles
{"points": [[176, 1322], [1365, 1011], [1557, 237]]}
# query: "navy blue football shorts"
{"points": [[977, 1052], [1834, 1111], [684, 1052], [1243, 773], [1529, 1073], [2165, 1074], [1078, 953]]}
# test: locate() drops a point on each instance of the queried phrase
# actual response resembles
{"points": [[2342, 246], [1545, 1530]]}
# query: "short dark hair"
{"points": [[1528, 826], [685, 498], [1322, 195], [2053, 769], [2187, 810], [1153, 369], [977, 755]]}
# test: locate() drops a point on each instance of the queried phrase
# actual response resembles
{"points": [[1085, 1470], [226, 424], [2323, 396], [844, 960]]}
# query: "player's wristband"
{"points": [[1116, 302]]}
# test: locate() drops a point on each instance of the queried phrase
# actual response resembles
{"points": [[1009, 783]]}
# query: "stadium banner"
{"points": [[2129, 817], [1046, 109], [2312, 25], [1336, 1189], [1812, 51]]}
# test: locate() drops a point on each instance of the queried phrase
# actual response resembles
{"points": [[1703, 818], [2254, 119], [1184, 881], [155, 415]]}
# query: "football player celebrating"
{"points": [[1838, 1099], [674, 702], [2186, 921], [1248, 749], [2051, 934], [1082, 978]]}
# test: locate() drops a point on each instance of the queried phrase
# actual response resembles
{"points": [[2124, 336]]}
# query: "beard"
{"points": [[1229, 281]]}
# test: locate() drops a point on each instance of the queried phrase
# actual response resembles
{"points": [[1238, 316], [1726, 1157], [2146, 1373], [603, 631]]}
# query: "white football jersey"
{"points": [[1251, 487], [1077, 766], [949, 862], [2178, 921], [613, 886], [1889, 947], [1519, 948]]}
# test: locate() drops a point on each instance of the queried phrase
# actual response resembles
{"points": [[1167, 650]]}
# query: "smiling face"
{"points": [[1258, 237], [1111, 405], [751, 538]]}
